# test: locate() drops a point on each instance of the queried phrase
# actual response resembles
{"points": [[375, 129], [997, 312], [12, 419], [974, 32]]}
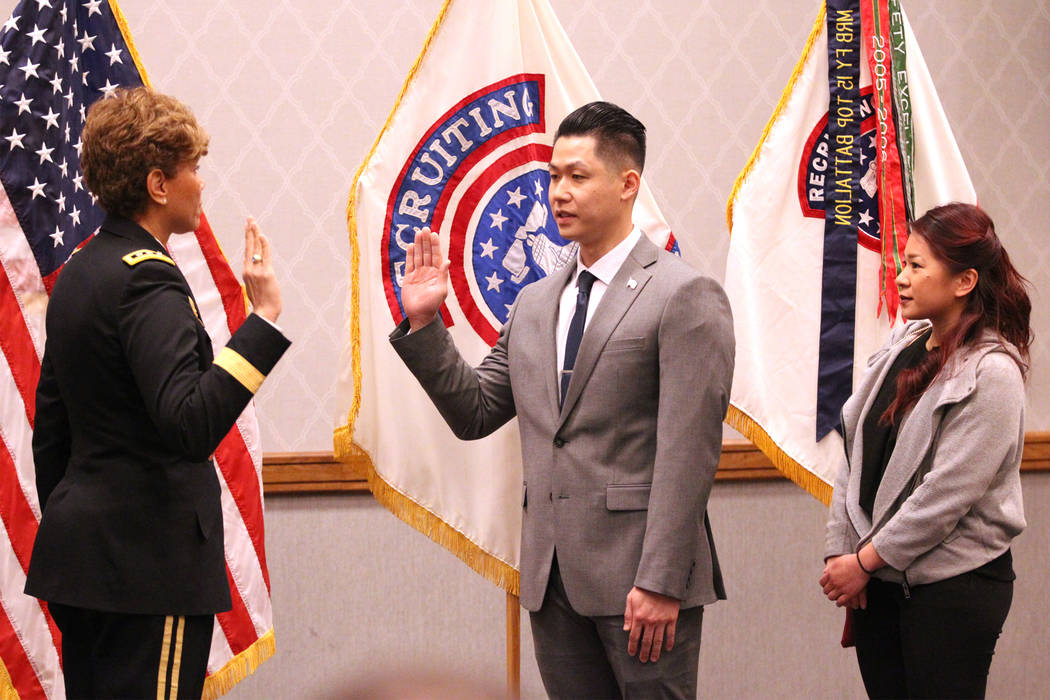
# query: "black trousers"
{"points": [[113, 655], [935, 642]]}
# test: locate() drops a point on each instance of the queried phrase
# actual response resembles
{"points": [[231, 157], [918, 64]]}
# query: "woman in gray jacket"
{"points": [[928, 497]]}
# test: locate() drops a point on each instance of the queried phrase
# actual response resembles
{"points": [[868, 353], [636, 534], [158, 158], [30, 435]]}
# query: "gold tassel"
{"points": [[343, 444], [415, 515], [351, 225], [7, 687], [749, 428], [123, 25], [125, 31], [239, 667], [485, 564], [818, 27]]}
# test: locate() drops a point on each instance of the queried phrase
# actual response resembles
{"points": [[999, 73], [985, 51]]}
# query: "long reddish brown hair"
{"points": [[962, 237]]}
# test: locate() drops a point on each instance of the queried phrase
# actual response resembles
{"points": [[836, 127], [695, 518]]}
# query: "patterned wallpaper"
{"points": [[294, 93]]}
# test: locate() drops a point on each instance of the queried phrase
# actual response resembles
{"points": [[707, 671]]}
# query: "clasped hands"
{"points": [[845, 582]]}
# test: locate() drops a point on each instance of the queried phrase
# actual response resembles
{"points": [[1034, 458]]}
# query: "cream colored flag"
{"points": [[465, 152], [776, 253]]}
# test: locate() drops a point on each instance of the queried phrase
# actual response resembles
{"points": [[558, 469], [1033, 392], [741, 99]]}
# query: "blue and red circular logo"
{"points": [[815, 174], [479, 176]]}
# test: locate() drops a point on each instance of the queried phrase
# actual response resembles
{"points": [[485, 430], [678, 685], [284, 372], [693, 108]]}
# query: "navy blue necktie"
{"points": [[572, 341]]}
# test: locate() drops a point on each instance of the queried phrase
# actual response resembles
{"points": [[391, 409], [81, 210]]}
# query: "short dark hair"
{"points": [[619, 135], [128, 135]]}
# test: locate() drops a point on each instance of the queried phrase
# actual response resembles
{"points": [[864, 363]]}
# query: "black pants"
{"points": [[113, 655], [936, 643]]}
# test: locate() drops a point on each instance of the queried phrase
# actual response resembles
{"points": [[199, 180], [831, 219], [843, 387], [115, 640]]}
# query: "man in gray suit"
{"points": [[618, 368]]}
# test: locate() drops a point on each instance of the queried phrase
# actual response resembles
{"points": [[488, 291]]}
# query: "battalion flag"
{"points": [[465, 152], [818, 222], [56, 59]]}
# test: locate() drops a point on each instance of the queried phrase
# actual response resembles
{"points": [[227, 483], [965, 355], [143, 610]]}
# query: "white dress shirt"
{"points": [[603, 269]]}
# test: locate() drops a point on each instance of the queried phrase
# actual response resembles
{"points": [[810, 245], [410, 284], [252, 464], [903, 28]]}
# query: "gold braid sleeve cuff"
{"points": [[240, 369]]}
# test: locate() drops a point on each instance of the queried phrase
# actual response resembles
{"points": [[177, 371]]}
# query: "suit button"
{"points": [[558, 442]]}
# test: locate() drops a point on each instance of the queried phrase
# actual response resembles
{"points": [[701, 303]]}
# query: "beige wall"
{"points": [[294, 93]]}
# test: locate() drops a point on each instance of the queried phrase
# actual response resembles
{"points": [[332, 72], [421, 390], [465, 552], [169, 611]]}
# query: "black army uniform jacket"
{"points": [[130, 406]]}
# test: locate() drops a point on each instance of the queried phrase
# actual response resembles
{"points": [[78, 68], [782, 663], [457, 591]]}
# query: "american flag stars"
{"points": [[56, 59]]}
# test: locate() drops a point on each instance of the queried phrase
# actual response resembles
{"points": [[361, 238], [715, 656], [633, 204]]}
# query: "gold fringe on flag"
{"points": [[414, 514], [7, 687], [736, 418], [123, 25], [485, 564], [749, 428], [355, 246], [814, 33], [239, 667]]}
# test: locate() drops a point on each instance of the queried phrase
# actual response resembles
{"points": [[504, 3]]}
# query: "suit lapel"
{"points": [[614, 304]]}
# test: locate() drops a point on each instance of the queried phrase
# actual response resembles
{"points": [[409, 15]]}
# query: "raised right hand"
{"points": [[260, 281], [425, 284]]}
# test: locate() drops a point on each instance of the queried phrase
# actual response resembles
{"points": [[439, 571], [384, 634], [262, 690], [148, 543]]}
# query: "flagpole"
{"points": [[513, 647]]}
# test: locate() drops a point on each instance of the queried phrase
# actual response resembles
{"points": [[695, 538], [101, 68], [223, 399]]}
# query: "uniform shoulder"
{"points": [[115, 257], [142, 255]]}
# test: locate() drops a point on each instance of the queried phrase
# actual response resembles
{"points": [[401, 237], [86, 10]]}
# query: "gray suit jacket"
{"points": [[618, 479], [950, 498]]}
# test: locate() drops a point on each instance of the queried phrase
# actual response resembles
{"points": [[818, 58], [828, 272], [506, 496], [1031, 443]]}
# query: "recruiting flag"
{"points": [[856, 147], [464, 152], [56, 59]]}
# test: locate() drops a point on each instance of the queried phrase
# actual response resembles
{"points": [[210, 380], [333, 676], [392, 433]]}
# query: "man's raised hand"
{"points": [[425, 284]]}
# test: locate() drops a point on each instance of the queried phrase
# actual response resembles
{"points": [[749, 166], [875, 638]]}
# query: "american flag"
{"points": [[56, 58]]}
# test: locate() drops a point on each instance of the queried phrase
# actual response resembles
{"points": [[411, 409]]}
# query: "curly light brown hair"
{"points": [[130, 134]]}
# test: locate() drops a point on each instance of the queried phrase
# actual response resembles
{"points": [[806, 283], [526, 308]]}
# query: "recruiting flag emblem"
{"points": [[817, 221], [465, 153]]}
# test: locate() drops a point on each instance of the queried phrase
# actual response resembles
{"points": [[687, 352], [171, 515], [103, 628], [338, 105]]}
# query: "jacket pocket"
{"points": [[624, 344], [206, 520], [524, 494], [627, 496]]}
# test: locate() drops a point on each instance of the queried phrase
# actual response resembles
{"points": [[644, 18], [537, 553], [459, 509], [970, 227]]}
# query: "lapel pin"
{"points": [[631, 283]]}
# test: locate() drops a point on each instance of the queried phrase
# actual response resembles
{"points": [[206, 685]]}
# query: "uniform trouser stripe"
{"points": [[174, 692], [165, 690], [162, 671]]}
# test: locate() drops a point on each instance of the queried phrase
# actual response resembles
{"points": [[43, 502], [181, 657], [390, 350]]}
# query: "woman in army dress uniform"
{"points": [[129, 408]]}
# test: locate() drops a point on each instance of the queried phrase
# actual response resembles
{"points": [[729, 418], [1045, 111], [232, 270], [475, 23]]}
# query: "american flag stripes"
{"points": [[56, 58]]}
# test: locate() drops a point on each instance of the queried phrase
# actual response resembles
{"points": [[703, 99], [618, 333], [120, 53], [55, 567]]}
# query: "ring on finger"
{"points": [[256, 258]]}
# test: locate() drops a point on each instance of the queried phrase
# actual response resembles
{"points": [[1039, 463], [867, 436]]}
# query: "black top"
{"points": [[879, 438]]}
